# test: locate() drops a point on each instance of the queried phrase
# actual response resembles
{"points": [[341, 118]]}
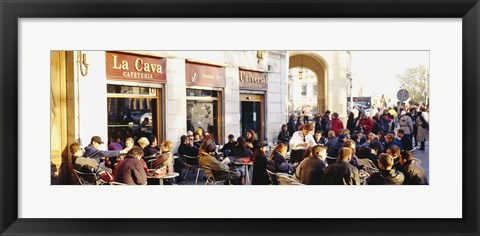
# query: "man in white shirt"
{"points": [[301, 141]]}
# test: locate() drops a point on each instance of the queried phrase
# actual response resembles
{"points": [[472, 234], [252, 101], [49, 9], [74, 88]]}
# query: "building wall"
{"points": [[92, 95], [93, 100], [175, 102], [232, 103]]}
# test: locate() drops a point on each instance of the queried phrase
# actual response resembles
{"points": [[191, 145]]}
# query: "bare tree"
{"points": [[416, 81]]}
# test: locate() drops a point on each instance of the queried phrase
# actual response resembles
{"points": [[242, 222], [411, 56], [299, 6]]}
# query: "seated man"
{"points": [[342, 172], [187, 148], [220, 170], [130, 170], [387, 175], [310, 170], [394, 151], [414, 173], [351, 144], [79, 161], [93, 151], [389, 140], [333, 149], [228, 147]]}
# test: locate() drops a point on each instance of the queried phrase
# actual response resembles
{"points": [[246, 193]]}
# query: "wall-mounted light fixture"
{"points": [[82, 62], [260, 56]]}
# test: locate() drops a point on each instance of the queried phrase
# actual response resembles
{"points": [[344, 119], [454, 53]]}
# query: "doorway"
{"points": [[252, 114]]}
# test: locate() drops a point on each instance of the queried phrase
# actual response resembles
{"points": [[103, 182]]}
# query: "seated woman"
{"points": [[251, 140], [241, 149], [260, 163], [166, 158], [277, 162]]}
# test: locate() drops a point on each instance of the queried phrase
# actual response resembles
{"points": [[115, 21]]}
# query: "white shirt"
{"points": [[298, 138]]}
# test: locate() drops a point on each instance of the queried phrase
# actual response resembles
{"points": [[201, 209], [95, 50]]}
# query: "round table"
{"points": [[161, 178], [247, 174]]}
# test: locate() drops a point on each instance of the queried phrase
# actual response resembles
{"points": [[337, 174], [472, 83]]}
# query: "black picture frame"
{"points": [[11, 11]]}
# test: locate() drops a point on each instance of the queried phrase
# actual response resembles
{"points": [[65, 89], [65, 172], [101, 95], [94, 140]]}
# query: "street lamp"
{"points": [[350, 81]]}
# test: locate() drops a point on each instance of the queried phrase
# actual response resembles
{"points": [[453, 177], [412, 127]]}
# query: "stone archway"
{"points": [[318, 65]]}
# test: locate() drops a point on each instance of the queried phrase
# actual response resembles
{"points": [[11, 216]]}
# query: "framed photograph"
{"points": [[210, 44]]}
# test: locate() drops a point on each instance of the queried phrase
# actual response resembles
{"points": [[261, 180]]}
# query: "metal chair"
{"points": [[88, 178], [331, 160], [210, 177], [285, 179], [368, 165], [192, 165], [418, 161], [150, 162], [272, 177]]}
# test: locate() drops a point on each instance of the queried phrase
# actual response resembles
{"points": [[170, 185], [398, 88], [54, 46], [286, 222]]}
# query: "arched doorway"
{"points": [[306, 63]]}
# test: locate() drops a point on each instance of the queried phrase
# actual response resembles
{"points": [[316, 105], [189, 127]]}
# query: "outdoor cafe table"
{"points": [[161, 178], [238, 162]]}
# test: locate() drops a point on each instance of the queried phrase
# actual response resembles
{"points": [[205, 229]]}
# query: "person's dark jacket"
{"points": [[332, 151], [351, 124], [260, 176], [318, 125], [384, 123], [291, 126], [279, 164], [376, 127], [229, 146], [255, 145], [389, 144], [283, 137], [130, 171], [366, 153], [150, 151], [414, 174], [341, 173], [92, 152], [331, 142], [406, 143], [186, 149], [324, 122], [398, 143], [380, 145], [386, 177], [241, 152], [312, 170]]}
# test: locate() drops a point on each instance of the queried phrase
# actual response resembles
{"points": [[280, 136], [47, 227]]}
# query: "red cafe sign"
{"points": [[135, 67], [253, 80], [204, 75]]}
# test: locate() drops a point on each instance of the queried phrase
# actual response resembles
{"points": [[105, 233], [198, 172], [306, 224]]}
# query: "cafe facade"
{"points": [[166, 93]]}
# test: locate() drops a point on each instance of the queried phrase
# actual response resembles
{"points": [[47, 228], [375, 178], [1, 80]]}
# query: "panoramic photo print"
{"points": [[239, 117]]}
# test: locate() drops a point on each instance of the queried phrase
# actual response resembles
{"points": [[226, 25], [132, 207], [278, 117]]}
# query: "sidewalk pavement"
{"points": [[424, 156]]}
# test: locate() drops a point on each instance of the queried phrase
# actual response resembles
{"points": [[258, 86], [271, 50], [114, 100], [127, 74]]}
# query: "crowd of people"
{"points": [[323, 151], [378, 149]]}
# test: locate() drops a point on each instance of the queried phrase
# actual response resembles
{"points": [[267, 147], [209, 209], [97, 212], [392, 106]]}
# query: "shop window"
{"points": [[132, 112], [203, 111], [314, 89]]}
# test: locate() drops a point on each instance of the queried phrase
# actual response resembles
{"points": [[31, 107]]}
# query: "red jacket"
{"points": [[336, 126], [366, 124]]}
